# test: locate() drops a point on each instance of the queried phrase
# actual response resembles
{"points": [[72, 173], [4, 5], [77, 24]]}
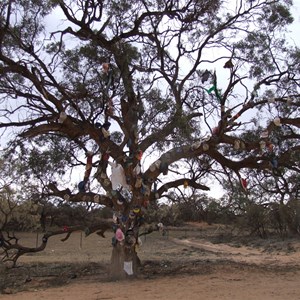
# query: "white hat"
{"points": [[62, 117], [205, 146], [277, 121]]}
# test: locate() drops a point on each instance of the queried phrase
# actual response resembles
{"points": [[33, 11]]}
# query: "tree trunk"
{"points": [[3, 276], [124, 262]]}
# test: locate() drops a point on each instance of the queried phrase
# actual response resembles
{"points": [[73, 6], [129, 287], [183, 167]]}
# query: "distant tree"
{"points": [[163, 94], [273, 202]]}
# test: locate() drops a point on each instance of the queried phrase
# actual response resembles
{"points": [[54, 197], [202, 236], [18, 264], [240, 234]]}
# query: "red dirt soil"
{"points": [[182, 265]]}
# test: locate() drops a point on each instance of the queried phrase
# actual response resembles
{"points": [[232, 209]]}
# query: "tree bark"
{"points": [[122, 253], [3, 276], [117, 262]]}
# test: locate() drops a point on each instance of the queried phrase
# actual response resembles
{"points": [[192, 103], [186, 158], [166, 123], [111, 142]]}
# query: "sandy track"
{"points": [[243, 254]]}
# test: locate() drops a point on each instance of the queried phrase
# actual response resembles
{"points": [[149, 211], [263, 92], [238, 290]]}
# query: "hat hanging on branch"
{"points": [[120, 201], [244, 184], [196, 145], [110, 107], [274, 162], [139, 154], [138, 182], [62, 117], [237, 145], [136, 209], [185, 184], [83, 185], [109, 80], [264, 134], [205, 76], [270, 146], [89, 165], [275, 166], [164, 168], [272, 100], [262, 145], [289, 101], [104, 134], [205, 146], [228, 64], [277, 121]]}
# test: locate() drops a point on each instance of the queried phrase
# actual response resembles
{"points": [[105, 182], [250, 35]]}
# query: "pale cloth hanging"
{"points": [[117, 176], [128, 267]]}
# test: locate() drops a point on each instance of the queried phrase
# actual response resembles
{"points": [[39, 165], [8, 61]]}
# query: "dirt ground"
{"points": [[193, 262]]}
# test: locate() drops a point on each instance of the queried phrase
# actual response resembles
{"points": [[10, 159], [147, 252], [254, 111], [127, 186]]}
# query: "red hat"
{"points": [[244, 184], [119, 235]]}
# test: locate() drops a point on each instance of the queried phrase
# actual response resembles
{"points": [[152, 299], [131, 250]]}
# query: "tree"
{"points": [[162, 94]]}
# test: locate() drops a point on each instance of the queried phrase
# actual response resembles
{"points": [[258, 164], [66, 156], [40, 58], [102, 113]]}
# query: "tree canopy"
{"points": [[158, 94]]}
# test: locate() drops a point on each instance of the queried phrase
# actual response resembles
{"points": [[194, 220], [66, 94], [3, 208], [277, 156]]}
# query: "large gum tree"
{"points": [[141, 98]]}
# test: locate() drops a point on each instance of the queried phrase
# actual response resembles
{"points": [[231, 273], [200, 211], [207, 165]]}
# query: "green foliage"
{"points": [[293, 208], [169, 215], [255, 219], [279, 15], [16, 215], [33, 160]]}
